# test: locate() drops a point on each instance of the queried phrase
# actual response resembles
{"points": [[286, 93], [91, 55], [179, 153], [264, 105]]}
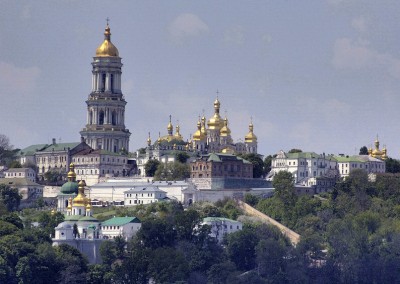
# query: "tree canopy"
{"points": [[151, 166]]}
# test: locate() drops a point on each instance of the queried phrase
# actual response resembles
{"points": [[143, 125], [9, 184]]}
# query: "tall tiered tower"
{"points": [[105, 126]]}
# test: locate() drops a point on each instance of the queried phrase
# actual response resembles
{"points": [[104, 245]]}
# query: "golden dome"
{"points": [[225, 131], [203, 125], [216, 122], [80, 199], [107, 48], [71, 174], [198, 135], [178, 135], [89, 205], [149, 140], [250, 137], [170, 128]]}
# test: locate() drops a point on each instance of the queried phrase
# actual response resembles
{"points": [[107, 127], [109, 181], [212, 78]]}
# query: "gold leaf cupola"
{"points": [[170, 128], [225, 131], [80, 199], [178, 135], [149, 140], [250, 137], [107, 48], [198, 135], [216, 122]]}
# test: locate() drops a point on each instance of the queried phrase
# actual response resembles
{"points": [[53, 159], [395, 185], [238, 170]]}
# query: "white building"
{"points": [[222, 226], [125, 227], [306, 167], [91, 164], [27, 173], [27, 188], [347, 164], [143, 195]]}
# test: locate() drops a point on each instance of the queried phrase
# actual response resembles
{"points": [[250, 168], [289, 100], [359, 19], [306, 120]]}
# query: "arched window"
{"points": [[101, 117], [91, 117]]}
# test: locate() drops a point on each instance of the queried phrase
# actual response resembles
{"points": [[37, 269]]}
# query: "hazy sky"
{"points": [[321, 76]]}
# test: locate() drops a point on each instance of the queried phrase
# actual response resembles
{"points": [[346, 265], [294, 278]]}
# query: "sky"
{"points": [[321, 76]]}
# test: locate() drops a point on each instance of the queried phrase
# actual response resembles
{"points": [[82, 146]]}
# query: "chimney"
{"points": [[54, 141]]}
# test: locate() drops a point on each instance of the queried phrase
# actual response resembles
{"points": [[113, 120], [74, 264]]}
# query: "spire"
{"points": [[149, 140], [170, 128]]}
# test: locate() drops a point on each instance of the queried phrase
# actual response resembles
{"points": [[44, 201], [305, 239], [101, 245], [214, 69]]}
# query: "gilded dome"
{"points": [[225, 131], [198, 135], [250, 137], [107, 48], [177, 134], [80, 199], [216, 122]]}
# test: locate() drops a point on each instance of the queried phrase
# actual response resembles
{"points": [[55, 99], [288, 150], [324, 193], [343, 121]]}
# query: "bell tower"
{"points": [[105, 126]]}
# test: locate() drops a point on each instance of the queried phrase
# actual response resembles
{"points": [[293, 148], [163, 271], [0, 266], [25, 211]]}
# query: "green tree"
{"points": [[241, 248], [14, 164], [10, 197], [251, 199], [182, 157], [283, 183], [258, 164], [268, 163], [294, 150], [168, 265], [151, 166], [363, 150], [172, 171], [108, 252], [156, 233], [7, 151], [392, 165]]}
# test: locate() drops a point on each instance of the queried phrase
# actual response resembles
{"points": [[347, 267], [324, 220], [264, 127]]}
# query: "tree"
{"points": [[267, 163], [14, 165], [172, 171], [10, 197], [7, 153], [182, 157], [294, 150], [392, 165], [283, 183], [363, 150], [241, 248], [258, 164], [151, 166]]}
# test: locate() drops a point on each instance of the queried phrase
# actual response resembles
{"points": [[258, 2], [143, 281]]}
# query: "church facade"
{"points": [[212, 136], [105, 126]]}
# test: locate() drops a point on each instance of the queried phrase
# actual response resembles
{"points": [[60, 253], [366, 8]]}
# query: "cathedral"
{"points": [[212, 136], [105, 125]]}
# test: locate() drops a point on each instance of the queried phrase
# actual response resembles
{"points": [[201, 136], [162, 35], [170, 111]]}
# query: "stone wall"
{"points": [[291, 235]]}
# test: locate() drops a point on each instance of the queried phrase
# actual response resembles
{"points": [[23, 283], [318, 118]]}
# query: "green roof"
{"points": [[72, 217], [69, 187], [88, 219], [31, 150], [304, 155], [60, 146], [354, 159], [120, 221], [220, 157]]}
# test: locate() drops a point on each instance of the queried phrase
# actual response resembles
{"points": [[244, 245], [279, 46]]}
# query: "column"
{"points": [[107, 82]]}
